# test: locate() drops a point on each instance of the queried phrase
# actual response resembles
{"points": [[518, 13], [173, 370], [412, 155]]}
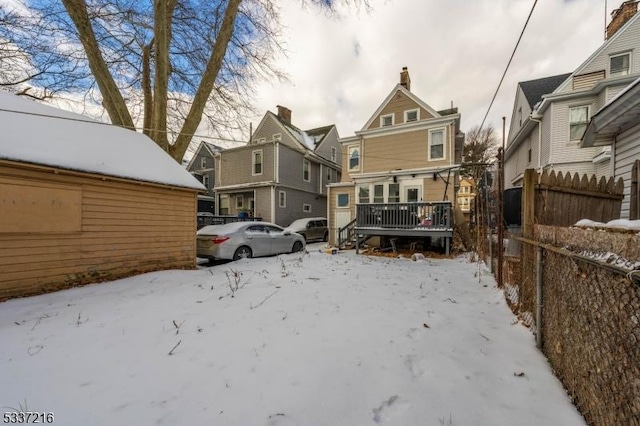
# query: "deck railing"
{"points": [[417, 215]]}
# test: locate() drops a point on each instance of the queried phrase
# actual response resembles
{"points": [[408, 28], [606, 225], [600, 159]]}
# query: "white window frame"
{"points": [[338, 201], [350, 150], [388, 194], [206, 181], [368, 188], [625, 72], [277, 137], [393, 119], [203, 162], [260, 140], [239, 201], [306, 208], [306, 163], [254, 163], [444, 143], [585, 123], [407, 112], [334, 154], [282, 199], [381, 198]]}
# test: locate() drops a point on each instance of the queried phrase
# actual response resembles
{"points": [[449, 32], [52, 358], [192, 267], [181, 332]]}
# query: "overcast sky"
{"points": [[456, 51]]}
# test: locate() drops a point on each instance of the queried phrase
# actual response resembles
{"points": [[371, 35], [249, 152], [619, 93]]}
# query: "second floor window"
{"points": [[619, 65], [436, 144], [203, 163], [578, 122], [354, 158], [257, 163], [334, 154], [306, 170]]}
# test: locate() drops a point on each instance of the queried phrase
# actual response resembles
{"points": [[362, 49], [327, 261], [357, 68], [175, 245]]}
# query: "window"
{"points": [[203, 163], [239, 201], [306, 170], [343, 200], [282, 199], [386, 120], [619, 65], [334, 154], [277, 137], [257, 163], [394, 193], [578, 122], [520, 115], [224, 204], [378, 193], [354, 158], [436, 144], [329, 173], [205, 181], [259, 140], [363, 193], [306, 208], [411, 115], [412, 195]]}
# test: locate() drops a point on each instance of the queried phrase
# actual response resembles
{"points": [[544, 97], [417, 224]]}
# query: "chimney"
{"points": [[405, 80], [620, 16], [284, 114]]}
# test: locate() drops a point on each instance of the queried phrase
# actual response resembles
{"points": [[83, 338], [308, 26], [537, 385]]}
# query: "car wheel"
{"points": [[325, 237], [297, 246], [243, 252]]}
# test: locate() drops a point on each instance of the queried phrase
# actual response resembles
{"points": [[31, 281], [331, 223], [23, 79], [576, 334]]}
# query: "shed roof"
{"points": [[40, 134], [535, 89]]}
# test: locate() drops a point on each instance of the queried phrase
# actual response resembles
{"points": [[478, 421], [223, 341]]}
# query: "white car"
{"points": [[238, 240]]}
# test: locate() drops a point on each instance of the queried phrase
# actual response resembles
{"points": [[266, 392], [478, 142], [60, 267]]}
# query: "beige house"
{"points": [[281, 174], [466, 196], [399, 172], [83, 201]]}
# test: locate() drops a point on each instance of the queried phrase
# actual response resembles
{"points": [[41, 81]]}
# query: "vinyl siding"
{"points": [[546, 136], [403, 151], [262, 202], [520, 103], [330, 141], [291, 170], [627, 151], [398, 104], [295, 200], [125, 228], [270, 126], [563, 151], [333, 208], [519, 160], [236, 165]]}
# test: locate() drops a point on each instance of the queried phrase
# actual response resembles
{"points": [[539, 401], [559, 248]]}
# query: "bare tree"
{"points": [[163, 65], [481, 147]]}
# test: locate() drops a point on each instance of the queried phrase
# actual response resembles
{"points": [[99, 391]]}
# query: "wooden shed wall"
{"points": [[61, 229]]}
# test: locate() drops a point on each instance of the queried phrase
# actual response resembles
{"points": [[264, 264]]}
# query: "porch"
{"points": [[414, 219]]}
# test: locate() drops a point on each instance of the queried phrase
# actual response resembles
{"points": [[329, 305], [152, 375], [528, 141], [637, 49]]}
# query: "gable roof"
{"points": [[319, 133], [534, 89], [211, 148], [400, 88], [40, 134]]}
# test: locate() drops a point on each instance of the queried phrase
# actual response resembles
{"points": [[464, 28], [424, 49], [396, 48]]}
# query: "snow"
{"points": [[613, 224], [40, 134], [305, 339]]}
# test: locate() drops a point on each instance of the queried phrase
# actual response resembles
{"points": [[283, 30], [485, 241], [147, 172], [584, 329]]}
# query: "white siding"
{"points": [[546, 136], [627, 151], [520, 103]]}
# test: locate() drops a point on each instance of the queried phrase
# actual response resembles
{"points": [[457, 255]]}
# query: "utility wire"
{"points": [[508, 64]]}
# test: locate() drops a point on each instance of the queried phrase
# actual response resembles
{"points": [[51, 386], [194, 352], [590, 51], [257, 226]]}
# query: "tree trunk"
{"points": [[146, 88], [163, 15], [194, 116], [112, 98]]}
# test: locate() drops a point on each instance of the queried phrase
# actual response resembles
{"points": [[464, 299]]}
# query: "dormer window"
{"points": [[619, 64], [386, 120], [411, 115]]}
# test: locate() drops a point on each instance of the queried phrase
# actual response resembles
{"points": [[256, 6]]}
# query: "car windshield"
{"points": [[300, 223]]}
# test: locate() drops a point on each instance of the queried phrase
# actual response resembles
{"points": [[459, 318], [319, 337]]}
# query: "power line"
{"points": [[508, 64]]}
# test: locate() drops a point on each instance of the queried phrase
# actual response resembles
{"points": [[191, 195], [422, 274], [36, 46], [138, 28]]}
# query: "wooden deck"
{"points": [[420, 219]]}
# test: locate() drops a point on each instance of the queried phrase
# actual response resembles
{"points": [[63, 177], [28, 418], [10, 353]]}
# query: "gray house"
{"points": [[550, 115], [281, 174], [201, 166], [617, 126]]}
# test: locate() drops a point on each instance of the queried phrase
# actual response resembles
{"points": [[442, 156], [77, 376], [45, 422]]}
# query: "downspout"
{"points": [[539, 143]]}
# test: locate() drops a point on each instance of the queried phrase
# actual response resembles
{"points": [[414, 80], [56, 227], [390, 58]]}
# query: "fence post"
{"points": [[539, 297], [528, 202]]}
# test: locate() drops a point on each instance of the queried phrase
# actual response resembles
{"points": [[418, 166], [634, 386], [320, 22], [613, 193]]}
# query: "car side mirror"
{"points": [[286, 233]]}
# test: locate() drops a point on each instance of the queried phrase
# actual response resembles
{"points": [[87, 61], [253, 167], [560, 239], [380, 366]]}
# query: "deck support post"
{"points": [[357, 243]]}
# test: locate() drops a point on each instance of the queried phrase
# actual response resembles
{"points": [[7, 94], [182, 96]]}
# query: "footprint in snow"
{"points": [[413, 365], [389, 409], [281, 419]]}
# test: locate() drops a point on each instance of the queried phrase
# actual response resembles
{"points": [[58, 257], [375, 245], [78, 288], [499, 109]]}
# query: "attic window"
{"points": [[386, 120], [260, 140], [411, 115], [334, 154], [203, 163], [277, 137], [619, 65]]}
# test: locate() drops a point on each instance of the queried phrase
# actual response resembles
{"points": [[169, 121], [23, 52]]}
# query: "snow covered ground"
{"points": [[311, 339]]}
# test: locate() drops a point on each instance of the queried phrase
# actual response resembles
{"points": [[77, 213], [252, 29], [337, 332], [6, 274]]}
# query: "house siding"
{"points": [[262, 202], [627, 151], [270, 126], [235, 165], [330, 141], [564, 151], [397, 106], [546, 136], [333, 208], [291, 170], [293, 209], [124, 228], [520, 103]]}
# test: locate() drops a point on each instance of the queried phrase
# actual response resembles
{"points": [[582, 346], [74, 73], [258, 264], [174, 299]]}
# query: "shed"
{"points": [[82, 201]]}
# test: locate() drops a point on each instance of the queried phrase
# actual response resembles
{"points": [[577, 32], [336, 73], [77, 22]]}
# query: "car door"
{"points": [[258, 239], [312, 231], [280, 243]]}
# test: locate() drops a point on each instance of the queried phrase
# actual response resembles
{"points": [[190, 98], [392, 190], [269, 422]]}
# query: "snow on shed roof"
{"points": [[40, 134]]}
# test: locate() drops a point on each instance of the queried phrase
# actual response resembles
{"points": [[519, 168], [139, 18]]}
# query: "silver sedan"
{"points": [[246, 239]]}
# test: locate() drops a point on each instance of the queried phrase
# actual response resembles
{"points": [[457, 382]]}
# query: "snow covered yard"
{"points": [[310, 339]]}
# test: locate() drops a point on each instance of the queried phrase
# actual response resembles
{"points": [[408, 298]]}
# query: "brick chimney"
{"points": [[405, 80], [621, 15], [284, 114]]}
